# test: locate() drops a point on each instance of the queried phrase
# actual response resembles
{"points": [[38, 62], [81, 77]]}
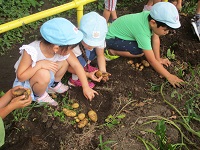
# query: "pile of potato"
{"points": [[80, 118], [138, 66]]}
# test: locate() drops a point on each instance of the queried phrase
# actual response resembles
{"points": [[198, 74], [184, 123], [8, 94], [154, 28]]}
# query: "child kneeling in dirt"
{"points": [[8, 103], [135, 35], [94, 29], [44, 62]]}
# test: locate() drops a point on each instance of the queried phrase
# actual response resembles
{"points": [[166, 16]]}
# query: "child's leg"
{"points": [[106, 14], [62, 68], [39, 82], [124, 48], [114, 15], [156, 1]]}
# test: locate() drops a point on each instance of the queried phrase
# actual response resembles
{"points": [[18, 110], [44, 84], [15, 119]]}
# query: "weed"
{"points": [[112, 121], [170, 54], [103, 145]]}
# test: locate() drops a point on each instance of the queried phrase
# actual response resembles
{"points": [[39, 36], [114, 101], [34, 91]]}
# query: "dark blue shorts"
{"points": [[123, 45], [91, 55]]}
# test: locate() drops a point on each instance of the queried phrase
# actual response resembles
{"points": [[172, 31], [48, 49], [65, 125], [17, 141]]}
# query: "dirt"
{"points": [[128, 92]]}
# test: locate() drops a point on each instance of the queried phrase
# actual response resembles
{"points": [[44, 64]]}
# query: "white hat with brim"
{"points": [[60, 31], [94, 28], [167, 13]]}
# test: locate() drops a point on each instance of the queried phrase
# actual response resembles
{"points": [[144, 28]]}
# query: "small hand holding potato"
{"points": [[19, 92], [104, 75]]}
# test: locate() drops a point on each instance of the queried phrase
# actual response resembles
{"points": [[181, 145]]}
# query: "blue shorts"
{"points": [[26, 84], [123, 45], [91, 55]]}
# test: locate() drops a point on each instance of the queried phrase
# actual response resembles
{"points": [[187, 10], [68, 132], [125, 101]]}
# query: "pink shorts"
{"points": [[110, 4]]}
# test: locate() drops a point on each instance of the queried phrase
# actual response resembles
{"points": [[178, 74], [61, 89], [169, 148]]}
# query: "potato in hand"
{"points": [[19, 92]]}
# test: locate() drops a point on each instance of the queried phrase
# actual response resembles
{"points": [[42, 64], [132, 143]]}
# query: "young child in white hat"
{"points": [[135, 35], [94, 29], [44, 62]]}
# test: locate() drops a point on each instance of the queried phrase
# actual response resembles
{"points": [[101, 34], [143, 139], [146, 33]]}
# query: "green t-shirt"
{"points": [[132, 27], [2, 132]]}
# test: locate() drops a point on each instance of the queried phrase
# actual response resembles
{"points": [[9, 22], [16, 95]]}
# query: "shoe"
{"points": [[89, 68], [45, 98], [109, 57], [59, 88], [195, 21], [75, 83]]}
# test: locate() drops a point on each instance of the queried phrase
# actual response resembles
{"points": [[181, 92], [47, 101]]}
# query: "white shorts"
{"points": [[110, 4]]}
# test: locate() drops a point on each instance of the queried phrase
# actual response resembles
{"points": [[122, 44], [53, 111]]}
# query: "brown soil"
{"points": [[128, 92]]}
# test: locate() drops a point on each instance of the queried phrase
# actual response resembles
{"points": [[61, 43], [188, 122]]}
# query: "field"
{"points": [[136, 110]]}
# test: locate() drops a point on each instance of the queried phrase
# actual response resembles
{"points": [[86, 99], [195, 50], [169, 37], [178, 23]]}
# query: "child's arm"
{"points": [[25, 71], [174, 80], [8, 103], [75, 64], [102, 62], [156, 50]]}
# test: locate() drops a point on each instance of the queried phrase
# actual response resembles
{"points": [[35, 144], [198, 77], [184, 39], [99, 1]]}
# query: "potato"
{"points": [[141, 68], [130, 62], [19, 92], [83, 123], [77, 120], [137, 65], [98, 74], [81, 116], [92, 115], [69, 113], [145, 63], [75, 105]]}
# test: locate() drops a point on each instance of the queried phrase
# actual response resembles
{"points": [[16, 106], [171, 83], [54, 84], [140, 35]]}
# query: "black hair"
{"points": [[63, 47], [159, 24]]}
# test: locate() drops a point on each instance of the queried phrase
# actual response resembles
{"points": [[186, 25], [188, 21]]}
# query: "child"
{"points": [[7, 105], [43, 63], [109, 10], [94, 29], [177, 3], [196, 21], [130, 36]]}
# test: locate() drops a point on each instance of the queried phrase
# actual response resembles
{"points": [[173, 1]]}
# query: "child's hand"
{"points": [[175, 81], [15, 88], [49, 65], [89, 93], [106, 78], [93, 77], [19, 102], [165, 61]]}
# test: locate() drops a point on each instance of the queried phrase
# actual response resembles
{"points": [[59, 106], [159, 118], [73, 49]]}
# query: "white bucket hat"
{"points": [[94, 29]]}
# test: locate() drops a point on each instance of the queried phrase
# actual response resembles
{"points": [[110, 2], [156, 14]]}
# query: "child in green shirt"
{"points": [[135, 35]]}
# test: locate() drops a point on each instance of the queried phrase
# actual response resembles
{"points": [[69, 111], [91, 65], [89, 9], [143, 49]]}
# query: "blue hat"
{"points": [[60, 31], [94, 29], [167, 13]]}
